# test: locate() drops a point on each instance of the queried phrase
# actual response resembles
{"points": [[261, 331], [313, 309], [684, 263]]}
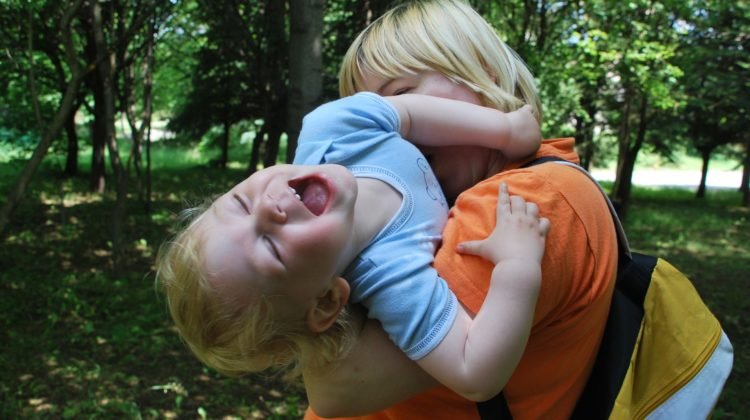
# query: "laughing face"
{"points": [[282, 231]]}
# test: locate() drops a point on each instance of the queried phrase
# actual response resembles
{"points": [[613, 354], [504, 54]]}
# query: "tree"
{"points": [[240, 75], [343, 21], [305, 65], [113, 33], [644, 82], [717, 77], [64, 32], [745, 183]]}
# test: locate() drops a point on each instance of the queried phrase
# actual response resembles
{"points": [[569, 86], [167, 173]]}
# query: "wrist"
{"points": [[518, 274]]}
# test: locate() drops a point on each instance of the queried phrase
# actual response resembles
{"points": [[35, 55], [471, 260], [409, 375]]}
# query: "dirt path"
{"points": [[675, 178]]}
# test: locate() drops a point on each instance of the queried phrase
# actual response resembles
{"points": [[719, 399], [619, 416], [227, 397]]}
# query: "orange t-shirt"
{"points": [[578, 273]]}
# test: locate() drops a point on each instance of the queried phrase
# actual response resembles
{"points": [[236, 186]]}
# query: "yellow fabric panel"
{"points": [[678, 335]]}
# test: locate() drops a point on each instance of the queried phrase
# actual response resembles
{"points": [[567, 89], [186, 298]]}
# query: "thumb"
{"points": [[470, 247]]}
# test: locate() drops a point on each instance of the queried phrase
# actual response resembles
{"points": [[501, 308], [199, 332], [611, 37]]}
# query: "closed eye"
{"points": [[272, 248], [242, 203], [401, 91]]}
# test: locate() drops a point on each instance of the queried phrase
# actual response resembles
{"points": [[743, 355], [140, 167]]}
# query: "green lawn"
{"points": [[79, 342]]}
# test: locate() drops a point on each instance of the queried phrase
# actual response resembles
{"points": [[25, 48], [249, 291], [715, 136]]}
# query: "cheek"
{"points": [[326, 235], [462, 93]]}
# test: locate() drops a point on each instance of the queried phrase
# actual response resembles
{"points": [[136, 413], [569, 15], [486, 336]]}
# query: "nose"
{"points": [[269, 210]]}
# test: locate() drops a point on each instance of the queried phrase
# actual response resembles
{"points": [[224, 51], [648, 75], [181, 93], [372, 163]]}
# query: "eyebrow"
{"points": [[242, 202]]}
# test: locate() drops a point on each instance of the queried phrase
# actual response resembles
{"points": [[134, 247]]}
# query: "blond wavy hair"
{"points": [[447, 36], [233, 339]]}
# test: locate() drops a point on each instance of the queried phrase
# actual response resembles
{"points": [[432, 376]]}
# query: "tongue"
{"points": [[315, 197]]}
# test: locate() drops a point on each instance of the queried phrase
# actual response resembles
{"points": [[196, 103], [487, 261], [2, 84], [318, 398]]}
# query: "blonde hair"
{"points": [[234, 339], [447, 36]]}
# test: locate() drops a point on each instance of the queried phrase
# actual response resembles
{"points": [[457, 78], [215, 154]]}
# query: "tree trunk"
{"points": [[705, 157], [272, 144], [224, 158], [127, 99], [97, 177], [64, 109], [626, 161], [140, 124], [585, 132], [260, 133], [305, 65], [276, 99], [71, 160], [745, 187], [106, 70], [15, 194], [148, 100], [624, 170]]}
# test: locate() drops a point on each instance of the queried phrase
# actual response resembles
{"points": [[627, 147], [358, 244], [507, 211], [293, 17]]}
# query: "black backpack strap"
{"points": [[621, 331], [619, 339], [623, 322], [494, 409]]}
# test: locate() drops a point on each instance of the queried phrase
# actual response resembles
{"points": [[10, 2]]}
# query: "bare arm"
{"points": [[375, 375], [478, 356], [433, 121], [475, 359]]}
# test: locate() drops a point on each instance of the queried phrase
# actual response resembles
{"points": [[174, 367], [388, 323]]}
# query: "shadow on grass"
{"points": [[82, 342]]}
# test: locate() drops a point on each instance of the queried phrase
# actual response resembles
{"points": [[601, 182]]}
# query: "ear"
{"points": [[328, 306]]}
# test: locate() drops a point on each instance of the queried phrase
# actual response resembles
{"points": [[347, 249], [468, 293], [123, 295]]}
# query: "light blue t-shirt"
{"points": [[393, 277]]}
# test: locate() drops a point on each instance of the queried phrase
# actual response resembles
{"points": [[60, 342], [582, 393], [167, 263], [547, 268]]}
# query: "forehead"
{"points": [[379, 67], [374, 82]]}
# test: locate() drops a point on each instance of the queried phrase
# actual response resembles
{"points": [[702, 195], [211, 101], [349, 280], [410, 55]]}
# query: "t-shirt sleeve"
{"points": [[394, 279], [414, 305], [338, 131]]}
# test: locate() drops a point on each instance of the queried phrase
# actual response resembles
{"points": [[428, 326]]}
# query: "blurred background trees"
{"points": [[98, 81]]}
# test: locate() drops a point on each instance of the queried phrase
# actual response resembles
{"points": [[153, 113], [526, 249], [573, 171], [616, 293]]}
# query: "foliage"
{"points": [[23, 26], [222, 81], [219, 62], [714, 55]]}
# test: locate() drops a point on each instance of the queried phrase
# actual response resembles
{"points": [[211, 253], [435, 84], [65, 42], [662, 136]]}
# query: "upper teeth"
{"points": [[296, 194]]}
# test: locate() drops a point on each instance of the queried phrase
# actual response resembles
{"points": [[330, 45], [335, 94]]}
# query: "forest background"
{"points": [[116, 114]]}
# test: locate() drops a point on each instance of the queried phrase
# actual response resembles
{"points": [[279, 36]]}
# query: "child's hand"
{"points": [[519, 232]]}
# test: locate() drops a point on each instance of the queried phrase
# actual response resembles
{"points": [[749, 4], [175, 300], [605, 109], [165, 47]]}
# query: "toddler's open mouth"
{"points": [[313, 191]]}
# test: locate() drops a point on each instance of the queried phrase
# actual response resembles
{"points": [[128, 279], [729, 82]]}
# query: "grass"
{"points": [[707, 240], [80, 342]]}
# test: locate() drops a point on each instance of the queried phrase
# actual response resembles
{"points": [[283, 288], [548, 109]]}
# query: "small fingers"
{"points": [[517, 204], [502, 195], [532, 209], [503, 201], [544, 226], [469, 247]]}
